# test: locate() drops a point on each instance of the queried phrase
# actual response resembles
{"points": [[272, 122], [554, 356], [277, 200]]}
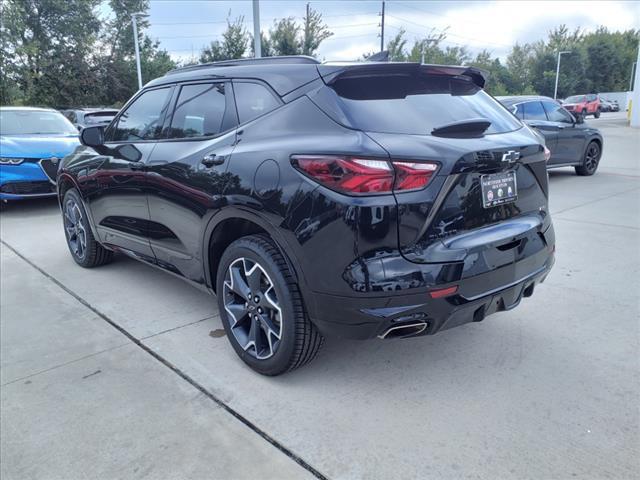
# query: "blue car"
{"points": [[33, 141]]}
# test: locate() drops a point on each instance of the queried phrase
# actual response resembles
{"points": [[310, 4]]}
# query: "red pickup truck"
{"points": [[583, 105]]}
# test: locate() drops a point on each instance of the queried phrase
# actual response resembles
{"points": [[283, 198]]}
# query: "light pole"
{"points": [[134, 17], [555, 91], [257, 41], [633, 70]]}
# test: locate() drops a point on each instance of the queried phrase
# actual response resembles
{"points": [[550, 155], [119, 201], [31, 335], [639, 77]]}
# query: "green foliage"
{"points": [[235, 41], [59, 53], [62, 53], [599, 61], [314, 32], [284, 37]]}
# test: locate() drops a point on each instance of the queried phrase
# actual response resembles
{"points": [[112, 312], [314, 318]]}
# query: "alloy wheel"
{"points": [[255, 317], [75, 228], [592, 157]]}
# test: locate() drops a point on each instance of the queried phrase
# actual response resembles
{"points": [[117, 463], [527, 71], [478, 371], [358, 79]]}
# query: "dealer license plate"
{"points": [[498, 188]]}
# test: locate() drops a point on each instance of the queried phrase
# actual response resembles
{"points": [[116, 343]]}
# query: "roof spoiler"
{"points": [[330, 72]]}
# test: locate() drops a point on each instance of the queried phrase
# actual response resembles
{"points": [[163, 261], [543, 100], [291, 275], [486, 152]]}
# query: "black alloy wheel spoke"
{"points": [[255, 317]]}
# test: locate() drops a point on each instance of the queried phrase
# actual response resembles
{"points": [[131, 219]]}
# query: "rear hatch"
{"points": [[491, 169]]}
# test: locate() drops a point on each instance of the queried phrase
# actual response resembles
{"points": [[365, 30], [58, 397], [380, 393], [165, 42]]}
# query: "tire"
{"points": [[597, 114], [262, 309], [84, 248], [591, 160]]}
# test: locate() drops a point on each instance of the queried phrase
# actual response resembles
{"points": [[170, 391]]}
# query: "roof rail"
{"points": [[282, 60]]}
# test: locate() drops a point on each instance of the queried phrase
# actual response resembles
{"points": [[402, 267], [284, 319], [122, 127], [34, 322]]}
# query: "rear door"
{"points": [[570, 140], [117, 194], [186, 173]]}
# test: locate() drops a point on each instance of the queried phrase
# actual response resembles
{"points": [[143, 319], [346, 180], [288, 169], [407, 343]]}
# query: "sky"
{"points": [[183, 27]]}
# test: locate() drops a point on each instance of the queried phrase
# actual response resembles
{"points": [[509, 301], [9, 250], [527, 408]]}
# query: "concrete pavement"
{"points": [[548, 390]]}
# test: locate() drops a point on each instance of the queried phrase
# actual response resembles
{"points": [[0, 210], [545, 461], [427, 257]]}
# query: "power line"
{"points": [[452, 34]]}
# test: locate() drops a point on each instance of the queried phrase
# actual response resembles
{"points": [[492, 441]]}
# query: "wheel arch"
{"points": [[231, 224]]}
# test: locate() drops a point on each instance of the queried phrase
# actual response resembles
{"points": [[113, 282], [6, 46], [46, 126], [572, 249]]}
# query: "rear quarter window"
{"points": [[416, 104], [253, 100]]}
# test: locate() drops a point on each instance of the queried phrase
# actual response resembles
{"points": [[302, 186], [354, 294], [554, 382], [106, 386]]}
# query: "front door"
{"points": [[117, 196], [534, 115], [186, 174]]}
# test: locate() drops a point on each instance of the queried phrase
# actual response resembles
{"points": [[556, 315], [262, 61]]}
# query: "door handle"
{"points": [[212, 160], [136, 166], [561, 127]]}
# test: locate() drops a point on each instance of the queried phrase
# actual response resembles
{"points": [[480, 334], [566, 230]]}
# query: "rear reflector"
{"points": [[443, 292], [364, 176]]}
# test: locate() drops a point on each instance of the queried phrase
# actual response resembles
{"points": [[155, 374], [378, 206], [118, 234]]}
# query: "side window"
{"points": [[253, 100], [556, 113], [199, 112], [519, 111], [591, 98], [534, 111], [142, 120]]}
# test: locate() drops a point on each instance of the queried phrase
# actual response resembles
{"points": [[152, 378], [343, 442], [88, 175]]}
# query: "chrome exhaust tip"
{"points": [[404, 331]]}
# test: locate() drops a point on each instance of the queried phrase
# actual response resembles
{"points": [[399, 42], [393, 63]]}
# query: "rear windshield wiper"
{"points": [[469, 128]]}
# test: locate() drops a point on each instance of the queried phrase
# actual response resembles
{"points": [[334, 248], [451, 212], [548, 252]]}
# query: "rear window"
{"points": [[416, 104]]}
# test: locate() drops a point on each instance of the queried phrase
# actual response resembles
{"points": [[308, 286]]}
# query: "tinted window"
{"points": [[591, 98], [416, 104], [534, 111], [142, 120], [575, 99], [253, 100], [556, 113], [34, 122], [520, 111], [199, 112]]}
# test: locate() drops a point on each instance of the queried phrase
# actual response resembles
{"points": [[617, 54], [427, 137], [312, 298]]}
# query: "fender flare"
{"points": [[234, 212], [64, 176]]}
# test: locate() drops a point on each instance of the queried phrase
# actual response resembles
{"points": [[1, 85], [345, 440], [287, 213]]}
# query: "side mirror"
{"points": [[92, 136]]}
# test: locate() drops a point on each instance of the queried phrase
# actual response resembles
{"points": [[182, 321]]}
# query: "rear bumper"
{"points": [[363, 318]]}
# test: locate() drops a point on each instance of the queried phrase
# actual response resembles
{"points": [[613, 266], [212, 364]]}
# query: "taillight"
{"points": [[364, 176], [412, 176], [547, 154]]}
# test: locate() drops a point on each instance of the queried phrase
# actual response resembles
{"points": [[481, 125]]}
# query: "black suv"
{"points": [[361, 200]]}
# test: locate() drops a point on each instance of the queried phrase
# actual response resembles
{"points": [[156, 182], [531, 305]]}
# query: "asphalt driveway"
{"points": [[121, 371]]}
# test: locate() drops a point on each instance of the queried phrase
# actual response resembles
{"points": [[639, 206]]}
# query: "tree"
{"points": [[396, 47], [117, 66], [46, 51], [265, 46], [283, 37], [314, 32], [235, 41], [519, 65]]}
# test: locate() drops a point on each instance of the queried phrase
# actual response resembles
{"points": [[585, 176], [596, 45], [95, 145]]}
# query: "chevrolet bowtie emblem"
{"points": [[510, 156]]}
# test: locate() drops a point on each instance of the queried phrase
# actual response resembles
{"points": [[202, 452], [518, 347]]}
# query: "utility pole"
{"points": [[382, 29], [134, 21], [633, 71], [555, 91], [257, 41]]}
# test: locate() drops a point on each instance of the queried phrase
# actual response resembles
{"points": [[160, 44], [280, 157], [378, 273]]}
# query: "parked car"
{"points": [[356, 199], [570, 140], [32, 143], [84, 117], [583, 105], [607, 105]]}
